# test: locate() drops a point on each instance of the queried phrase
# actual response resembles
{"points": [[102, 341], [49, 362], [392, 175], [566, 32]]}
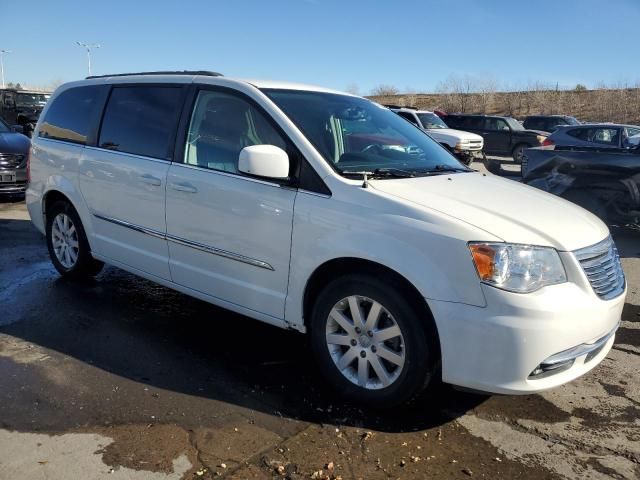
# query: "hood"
{"points": [[452, 134], [508, 210], [14, 143]]}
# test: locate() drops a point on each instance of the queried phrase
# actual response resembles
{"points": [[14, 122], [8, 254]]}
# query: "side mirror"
{"points": [[17, 128], [266, 161], [506, 128]]}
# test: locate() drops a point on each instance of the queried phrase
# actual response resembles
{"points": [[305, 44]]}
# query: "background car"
{"points": [[606, 135], [502, 135], [22, 107], [548, 123], [14, 148], [603, 181], [464, 145]]}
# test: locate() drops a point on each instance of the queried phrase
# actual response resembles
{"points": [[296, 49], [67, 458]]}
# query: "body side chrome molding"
{"points": [[221, 253], [187, 243], [137, 228]]}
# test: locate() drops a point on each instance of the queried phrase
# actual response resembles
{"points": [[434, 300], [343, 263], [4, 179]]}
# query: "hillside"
{"points": [[602, 105]]}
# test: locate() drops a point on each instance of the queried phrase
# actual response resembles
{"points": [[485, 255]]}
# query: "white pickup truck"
{"points": [[464, 145]]}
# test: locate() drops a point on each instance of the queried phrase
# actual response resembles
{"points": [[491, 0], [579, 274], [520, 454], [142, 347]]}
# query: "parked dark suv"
{"points": [[502, 135], [22, 107], [548, 123]]}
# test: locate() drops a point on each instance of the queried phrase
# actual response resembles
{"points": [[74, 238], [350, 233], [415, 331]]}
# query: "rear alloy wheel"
{"points": [[67, 243], [371, 342], [64, 238]]}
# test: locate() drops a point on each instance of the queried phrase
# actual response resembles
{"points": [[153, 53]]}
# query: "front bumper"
{"points": [[498, 348], [17, 187]]}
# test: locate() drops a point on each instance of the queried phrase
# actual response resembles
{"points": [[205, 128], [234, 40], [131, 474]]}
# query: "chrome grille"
{"points": [[11, 160], [601, 264]]}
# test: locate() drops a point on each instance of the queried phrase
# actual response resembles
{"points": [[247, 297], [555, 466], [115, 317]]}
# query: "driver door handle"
{"points": [[150, 179]]}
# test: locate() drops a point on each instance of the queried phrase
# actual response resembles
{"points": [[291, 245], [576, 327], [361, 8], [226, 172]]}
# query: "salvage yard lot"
{"points": [[124, 379]]}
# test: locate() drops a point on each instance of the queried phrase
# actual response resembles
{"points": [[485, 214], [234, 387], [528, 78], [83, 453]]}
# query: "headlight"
{"points": [[517, 268]]}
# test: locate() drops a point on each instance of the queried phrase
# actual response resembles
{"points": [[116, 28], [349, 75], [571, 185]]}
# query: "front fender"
{"points": [[432, 254]]}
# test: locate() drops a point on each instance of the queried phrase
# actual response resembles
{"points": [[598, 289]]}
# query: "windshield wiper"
{"points": [[381, 173], [447, 169]]}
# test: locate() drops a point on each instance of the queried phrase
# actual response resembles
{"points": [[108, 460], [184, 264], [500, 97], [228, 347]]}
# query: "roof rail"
{"points": [[169, 72]]}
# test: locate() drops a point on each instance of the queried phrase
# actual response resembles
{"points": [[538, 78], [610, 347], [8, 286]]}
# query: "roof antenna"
{"points": [[365, 182]]}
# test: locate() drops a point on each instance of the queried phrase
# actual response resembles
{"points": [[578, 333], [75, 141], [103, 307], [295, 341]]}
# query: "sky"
{"points": [[412, 45]]}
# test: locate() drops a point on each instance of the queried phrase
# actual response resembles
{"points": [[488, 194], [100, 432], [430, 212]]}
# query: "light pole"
{"points": [[2, 52], [88, 47]]}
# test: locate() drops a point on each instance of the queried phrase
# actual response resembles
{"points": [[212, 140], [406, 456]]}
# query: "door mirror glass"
{"points": [[266, 161]]}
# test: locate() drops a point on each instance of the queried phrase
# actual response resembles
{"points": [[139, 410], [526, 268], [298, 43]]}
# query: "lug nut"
{"points": [[373, 348], [358, 330], [353, 343], [363, 353], [370, 333]]}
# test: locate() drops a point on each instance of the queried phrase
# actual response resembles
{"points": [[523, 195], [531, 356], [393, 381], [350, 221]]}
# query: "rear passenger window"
{"points": [[534, 124], [222, 124], [142, 120], [72, 114], [472, 123], [580, 133]]}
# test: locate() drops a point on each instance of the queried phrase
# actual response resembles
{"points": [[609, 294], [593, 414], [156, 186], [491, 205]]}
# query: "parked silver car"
{"points": [[603, 135]]}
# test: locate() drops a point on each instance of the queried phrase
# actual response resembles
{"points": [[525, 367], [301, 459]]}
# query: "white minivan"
{"points": [[326, 213]]}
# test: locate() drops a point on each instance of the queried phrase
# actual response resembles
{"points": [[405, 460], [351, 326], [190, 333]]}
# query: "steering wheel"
{"points": [[374, 148]]}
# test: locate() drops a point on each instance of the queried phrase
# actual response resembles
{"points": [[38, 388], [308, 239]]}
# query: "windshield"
{"points": [[4, 128], [354, 134], [514, 124], [31, 99], [431, 120]]}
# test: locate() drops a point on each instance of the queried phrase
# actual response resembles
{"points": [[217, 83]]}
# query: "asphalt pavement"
{"points": [[124, 379]]}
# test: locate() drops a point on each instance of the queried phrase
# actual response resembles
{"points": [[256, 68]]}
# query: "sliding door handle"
{"points": [[183, 187]]}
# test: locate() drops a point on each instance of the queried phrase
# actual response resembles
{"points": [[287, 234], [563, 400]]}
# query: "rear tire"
{"points": [[385, 358], [67, 243], [518, 151]]}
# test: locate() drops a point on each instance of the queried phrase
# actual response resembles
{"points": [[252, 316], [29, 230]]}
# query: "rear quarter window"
{"points": [[73, 114]]}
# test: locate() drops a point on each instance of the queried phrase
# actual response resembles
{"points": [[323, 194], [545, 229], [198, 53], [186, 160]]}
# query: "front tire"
{"points": [[67, 243], [371, 342]]}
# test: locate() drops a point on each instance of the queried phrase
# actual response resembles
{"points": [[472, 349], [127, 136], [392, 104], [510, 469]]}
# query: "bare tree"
{"points": [[459, 89], [384, 90], [486, 89]]}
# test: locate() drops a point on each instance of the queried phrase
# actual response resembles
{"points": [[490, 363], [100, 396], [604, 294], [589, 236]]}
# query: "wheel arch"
{"points": [[65, 192], [349, 265], [521, 143], [51, 197]]}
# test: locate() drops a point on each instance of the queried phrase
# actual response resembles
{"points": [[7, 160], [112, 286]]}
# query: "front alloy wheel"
{"points": [[374, 340], [365, 342]]}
